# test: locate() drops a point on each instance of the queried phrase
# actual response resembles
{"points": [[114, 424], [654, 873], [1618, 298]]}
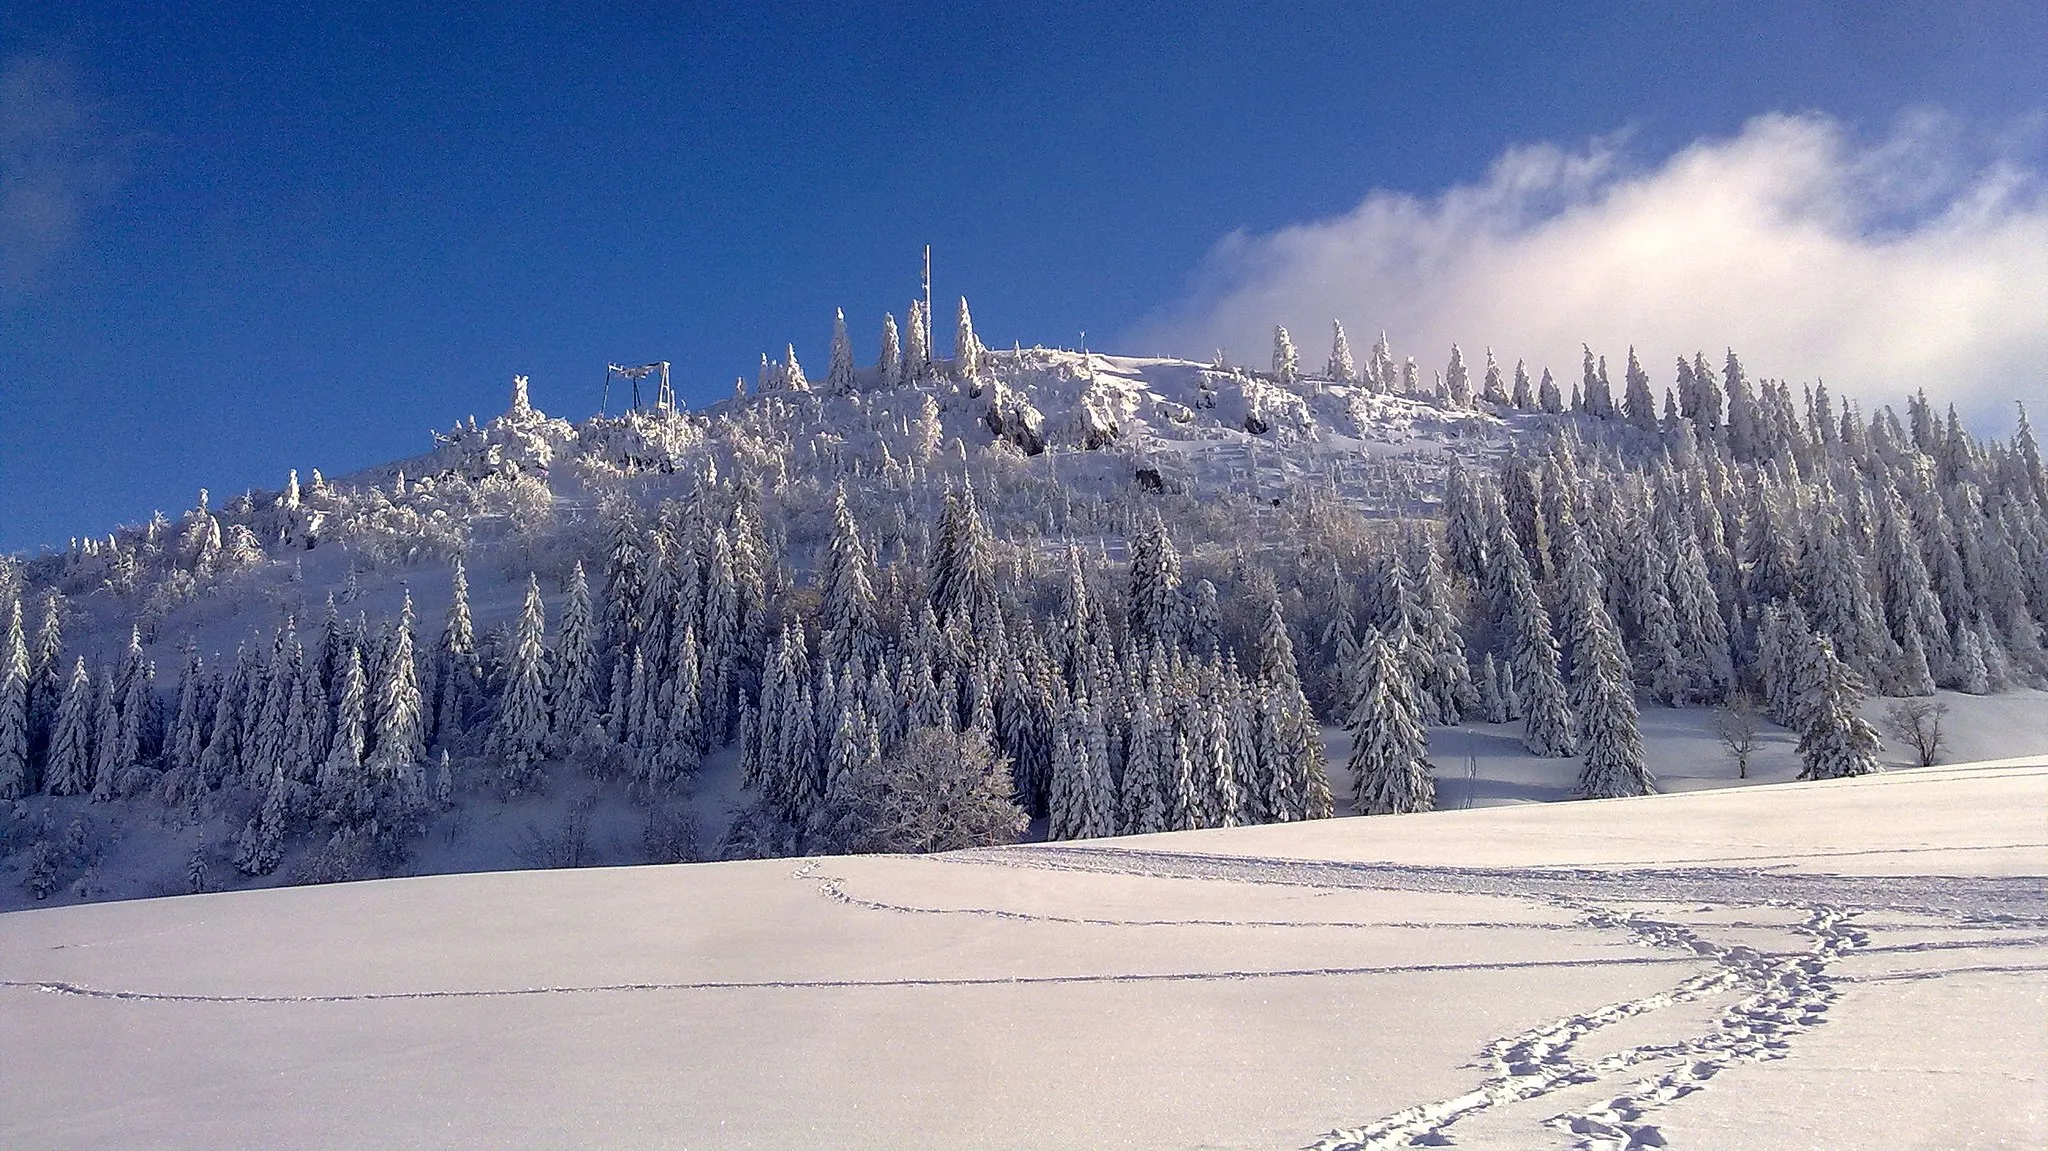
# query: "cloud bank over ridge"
{"points": [[1917, 260]]}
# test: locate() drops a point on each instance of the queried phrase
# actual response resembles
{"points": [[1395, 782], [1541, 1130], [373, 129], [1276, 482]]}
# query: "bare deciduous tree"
{"points": [[1737, 724], [1917, 723]]}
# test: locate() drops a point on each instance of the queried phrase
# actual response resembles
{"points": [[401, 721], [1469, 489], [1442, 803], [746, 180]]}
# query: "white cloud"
{"points": [[1920, 260], [56, 163]]}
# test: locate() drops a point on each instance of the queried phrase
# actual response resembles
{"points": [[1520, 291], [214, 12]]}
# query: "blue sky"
{"points": [[238, 239]]}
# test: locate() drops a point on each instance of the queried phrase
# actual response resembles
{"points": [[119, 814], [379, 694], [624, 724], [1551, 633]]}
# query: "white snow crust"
{"points": [[1846, 964]]}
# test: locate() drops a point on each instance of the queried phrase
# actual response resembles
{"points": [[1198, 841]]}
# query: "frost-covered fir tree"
{"points": [[1522, 397], [968, 353], [1444, 687], [1458, 380], [1342, 368], [846, 611], [1286, 361], [574, 711], [1532, 656], [70, 770], [458, 677], [1493, 386], [1380, 371], [1602, 699], [1143, 793], [1083, 799], [342, 784], [519, 740], [1704, 651], [46, 674], [1910, 603], [890, 366], [1548, 398], [792, 372], [1493, 702], [15, 780], [963, 576], [267, 737], [1834, 740], [185, 742], [1157, 608], [917, 345], [400, 746], [221, 759], [1637, 403], [1222, 802], [1290, 745], [261, 846], [107, 753], [1465, 524], [1390, 769], [839, 380]]}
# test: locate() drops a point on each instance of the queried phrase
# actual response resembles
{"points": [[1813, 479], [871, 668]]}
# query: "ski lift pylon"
{"points": [[664, 396]]}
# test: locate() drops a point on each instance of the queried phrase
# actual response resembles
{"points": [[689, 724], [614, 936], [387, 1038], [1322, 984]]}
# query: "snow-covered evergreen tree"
{"points": [[1601, 698], [15, 780], [222, 758], [185, 742], [890, 365], [840, 379], [1595, 395], [917, 345], [1342, 368], [1532, 657], [46, 673], [108, 754], [1458, 380], [1493, 702], [1157, 608], [261, 846], [400, 746], [1493, 387], [846, 611], [1215, 758], [1389, 764], [962, 575], [519, 740], [1638, 404], [1702, 633], [574, 707], [1083, 799], [70, 770], [458, 677], [1286, 361], [1289, 741], [967, 350], [1834, 740], [342, 783]]}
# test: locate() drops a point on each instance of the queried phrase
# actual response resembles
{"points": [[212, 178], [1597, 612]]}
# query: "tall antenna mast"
{"points": [[928, 292]]}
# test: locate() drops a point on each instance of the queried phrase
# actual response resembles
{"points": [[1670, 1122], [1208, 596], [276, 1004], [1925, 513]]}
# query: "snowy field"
{"points": [[1849, 964]]}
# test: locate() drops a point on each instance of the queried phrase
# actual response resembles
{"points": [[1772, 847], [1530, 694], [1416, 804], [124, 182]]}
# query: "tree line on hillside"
{"points": [[900, 685]]}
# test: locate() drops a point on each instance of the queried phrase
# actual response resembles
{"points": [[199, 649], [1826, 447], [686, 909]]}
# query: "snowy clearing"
{"points": [[1773, 966]]}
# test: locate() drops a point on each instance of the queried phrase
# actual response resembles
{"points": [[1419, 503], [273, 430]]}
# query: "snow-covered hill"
{"points": [[1786, 965], [1127, 594]]}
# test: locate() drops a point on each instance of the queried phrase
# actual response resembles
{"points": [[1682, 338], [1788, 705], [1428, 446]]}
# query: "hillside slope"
{"points": [[1787, 965]]}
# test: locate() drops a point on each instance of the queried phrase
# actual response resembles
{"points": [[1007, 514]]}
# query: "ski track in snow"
{"points": [[1778, 995], [835, 889], [64, 987], [1784, 993]]}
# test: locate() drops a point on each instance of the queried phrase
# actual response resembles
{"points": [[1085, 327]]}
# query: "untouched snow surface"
{"points": [[1847, 964]]}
